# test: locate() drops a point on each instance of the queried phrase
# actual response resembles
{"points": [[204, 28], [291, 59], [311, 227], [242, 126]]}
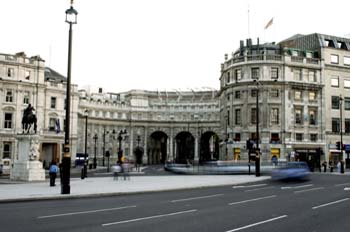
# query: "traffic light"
{"points": [[338, 145]]}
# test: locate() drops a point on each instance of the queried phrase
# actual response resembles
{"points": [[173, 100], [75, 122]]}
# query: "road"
{"points": [[321, 204]]}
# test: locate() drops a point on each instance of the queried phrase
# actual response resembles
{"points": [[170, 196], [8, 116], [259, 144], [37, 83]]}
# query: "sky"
{"points": [[156, 45]]}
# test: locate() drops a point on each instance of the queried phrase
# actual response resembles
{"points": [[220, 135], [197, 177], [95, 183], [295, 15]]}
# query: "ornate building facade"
{"points": [[300, 88]]}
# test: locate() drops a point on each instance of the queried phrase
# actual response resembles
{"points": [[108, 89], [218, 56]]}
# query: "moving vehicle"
{"points": [[291, 171]]}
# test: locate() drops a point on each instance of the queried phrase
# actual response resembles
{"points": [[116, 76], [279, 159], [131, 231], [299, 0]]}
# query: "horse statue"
{"points": [[29, 119]]}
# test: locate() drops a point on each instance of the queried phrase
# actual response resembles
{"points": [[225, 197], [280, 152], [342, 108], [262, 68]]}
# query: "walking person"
{"points": [[53, 173]]}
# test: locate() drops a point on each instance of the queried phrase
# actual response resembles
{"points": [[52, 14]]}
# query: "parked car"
{"points": [[291, 171]]}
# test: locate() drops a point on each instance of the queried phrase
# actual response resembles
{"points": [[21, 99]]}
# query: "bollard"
{"points": [[82, 176]]}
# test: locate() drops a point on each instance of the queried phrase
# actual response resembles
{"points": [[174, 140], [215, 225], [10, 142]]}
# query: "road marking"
{"points": [[195, 198], [337, 185], [330, 203], [248, 186], [86, 212], [308, 190], [258, 223], [150, 217], [257, 189], [346, 189], [296, 187], [255, 199]]}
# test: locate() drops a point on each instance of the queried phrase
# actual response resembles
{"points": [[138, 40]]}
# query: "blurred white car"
{"points": [[291, 170]]}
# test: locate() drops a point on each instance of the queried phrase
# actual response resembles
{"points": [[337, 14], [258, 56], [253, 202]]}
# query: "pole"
{"points": [[104, 146], [85, 164], [66, 160], [257, 156], [95, 160], [341, 127]]}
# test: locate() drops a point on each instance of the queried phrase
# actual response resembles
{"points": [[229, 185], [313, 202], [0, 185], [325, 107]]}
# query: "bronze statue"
{"points": [[28, 119]]}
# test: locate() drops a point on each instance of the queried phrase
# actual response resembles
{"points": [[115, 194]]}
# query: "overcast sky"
{"points": [[121, 45]]}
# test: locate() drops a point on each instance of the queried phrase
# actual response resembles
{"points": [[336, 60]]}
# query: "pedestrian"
{"points": [[53, 173], [339, 166], [324, 165]]}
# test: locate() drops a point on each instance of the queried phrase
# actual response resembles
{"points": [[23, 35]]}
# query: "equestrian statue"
{"points": [[29, 119]]}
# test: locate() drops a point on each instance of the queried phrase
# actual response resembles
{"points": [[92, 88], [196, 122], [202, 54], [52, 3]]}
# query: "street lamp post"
{"points": [[341, 125], [95, 160], [104, 146], [120, 152], [86, 114], [71, 18], [257, 156]]}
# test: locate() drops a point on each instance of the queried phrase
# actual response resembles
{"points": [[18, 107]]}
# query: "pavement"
{"points": [[100, 183]]}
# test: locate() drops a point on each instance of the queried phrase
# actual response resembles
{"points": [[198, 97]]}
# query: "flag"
{"points": [[269, 23]]}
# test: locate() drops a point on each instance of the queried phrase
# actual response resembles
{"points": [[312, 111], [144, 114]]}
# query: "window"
{"points": [[52, 124], [27, 75], [308, 55], [313, 137], [9, 96], [275, 138], [335, 102], [253, 92], [347, 84], [238, 116], [228, 117], [237, 137], [297, 95], [274, 73], [335, 125], [346, 60], [238, 94], [10, 72], [6, 152], [347, 125], [253, 116], [255, 73], [347, 103], [298, 116], [297, 74], [53, 103], [334, 59], [238, 74], [274, 116], [294, 53], [312, 117], [228, 78], [312, 76], [299, 137], [312, 96], [26, 97], [335, 82], [274, 93], [8, 121]]}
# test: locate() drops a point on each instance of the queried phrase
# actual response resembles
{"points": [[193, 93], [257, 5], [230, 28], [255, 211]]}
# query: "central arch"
{"points": [[209, 147], [184, 147], [157, 152]]}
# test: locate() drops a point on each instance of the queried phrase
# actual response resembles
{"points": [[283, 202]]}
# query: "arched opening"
{"points": [[209, 147], [157, 152], [184, 147]]}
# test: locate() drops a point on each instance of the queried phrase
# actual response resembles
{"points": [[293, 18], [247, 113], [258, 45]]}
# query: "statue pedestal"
{"points": [[27, 167]]}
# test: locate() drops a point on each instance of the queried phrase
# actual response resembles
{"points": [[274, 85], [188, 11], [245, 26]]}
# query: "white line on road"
{"points": [[308, 190], [337, 185], [296, 187], [248, 186], [257, 189], [258, 223], [195, 198], [85, 212], [346, 189], [255, 199], [151, 217], [330, 203]]}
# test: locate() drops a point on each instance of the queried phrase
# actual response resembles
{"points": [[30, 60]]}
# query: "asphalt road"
{"points": [[321, 204]]}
